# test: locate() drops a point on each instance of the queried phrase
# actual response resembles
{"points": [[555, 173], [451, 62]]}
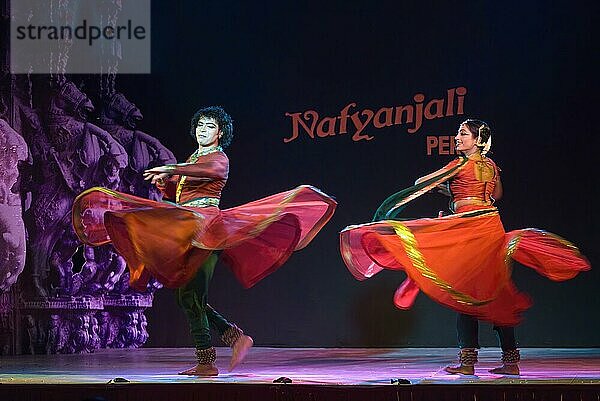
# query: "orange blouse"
{"points": [[476, 180]]}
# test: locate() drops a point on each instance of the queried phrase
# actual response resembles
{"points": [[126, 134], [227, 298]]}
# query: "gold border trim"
{"points": [[418, 260]]}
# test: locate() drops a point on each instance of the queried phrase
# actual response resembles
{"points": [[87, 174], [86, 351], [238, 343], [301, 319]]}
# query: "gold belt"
{"points": [[202, 202], [469, 201]]}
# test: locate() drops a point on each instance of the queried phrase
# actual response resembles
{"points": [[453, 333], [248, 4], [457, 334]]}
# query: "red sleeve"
{"points": [[210, 167]]}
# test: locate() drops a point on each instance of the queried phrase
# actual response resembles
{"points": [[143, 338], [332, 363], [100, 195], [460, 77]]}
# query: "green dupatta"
{"points": [[394, 204]]}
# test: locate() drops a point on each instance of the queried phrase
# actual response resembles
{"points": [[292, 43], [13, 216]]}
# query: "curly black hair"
{"points": [[223, 119]]}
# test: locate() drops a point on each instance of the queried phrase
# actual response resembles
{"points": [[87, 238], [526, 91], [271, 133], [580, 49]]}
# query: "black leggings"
{"points": [[193, 299], [467, 328]]}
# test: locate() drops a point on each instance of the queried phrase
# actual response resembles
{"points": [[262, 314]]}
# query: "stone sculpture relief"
{"points": [[13, 150]]}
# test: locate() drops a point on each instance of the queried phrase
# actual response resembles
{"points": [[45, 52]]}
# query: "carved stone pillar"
{"points": [[60, 326], [62, 303], [128, 322], [8, 336], [84, 324]]}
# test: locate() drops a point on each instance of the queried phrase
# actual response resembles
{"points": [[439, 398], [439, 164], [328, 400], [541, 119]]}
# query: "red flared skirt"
{"points": [[170, 242], [462, 261]]}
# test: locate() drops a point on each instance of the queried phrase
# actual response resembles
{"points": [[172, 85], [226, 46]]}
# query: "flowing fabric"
{"points": [[394, 204], [462, 261], [170, 241]]}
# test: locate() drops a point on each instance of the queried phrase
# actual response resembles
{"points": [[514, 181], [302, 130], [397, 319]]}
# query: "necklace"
{"points": [[203, 152]]}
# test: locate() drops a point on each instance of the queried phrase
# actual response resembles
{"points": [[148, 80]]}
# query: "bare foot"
{"points": [[507, 369], [208, 369], [460, 369], [240, 349]]}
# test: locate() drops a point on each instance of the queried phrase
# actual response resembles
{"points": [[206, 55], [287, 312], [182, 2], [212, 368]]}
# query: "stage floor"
{"points": [[314, 366]]}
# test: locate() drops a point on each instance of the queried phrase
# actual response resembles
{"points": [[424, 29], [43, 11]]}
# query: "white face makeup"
{"points": [[208, 132]]}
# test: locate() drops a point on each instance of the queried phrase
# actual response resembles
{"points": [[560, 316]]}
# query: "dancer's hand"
{"points": [[157, 173], [444, 189], [154, 178]]}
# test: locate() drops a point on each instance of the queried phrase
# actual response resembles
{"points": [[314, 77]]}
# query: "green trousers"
{"points": [[193, 299]]}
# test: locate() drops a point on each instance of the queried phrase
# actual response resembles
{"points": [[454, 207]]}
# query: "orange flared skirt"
{"points": [[462, 261], [170, 242]]}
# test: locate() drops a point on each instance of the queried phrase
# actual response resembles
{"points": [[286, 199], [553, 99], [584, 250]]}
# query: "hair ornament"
{"points": [[487, 146]]}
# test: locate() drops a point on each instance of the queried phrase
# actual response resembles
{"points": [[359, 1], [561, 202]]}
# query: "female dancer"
{"points": [[175, 241], [462, 260]]}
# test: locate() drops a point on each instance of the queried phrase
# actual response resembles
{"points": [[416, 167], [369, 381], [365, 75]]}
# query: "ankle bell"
{"points": [[206, 356], [467, 356], [511, 357], [231, 335]]}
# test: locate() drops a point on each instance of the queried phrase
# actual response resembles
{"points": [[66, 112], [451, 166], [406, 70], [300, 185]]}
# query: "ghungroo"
{"points": [[231, 335], [511, 356], [206, 356], [467, 356]]}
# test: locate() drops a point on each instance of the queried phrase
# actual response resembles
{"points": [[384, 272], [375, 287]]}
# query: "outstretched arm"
{"points": [[426, 177], [207, 169], [442, 187], [157, 174]]}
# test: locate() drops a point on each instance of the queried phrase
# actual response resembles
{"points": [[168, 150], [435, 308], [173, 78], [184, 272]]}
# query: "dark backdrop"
{"points": [[530, 71]]}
